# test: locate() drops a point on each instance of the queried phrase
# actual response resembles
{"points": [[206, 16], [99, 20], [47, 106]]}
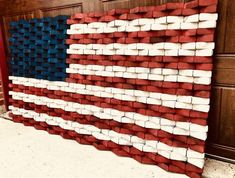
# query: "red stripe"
{"points": [[168, 62], [127, 151], [184, 115], [171, 9], [124, 128]]}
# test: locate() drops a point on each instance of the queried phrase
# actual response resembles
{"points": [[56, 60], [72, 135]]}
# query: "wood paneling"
{"points": [[222, 115]]}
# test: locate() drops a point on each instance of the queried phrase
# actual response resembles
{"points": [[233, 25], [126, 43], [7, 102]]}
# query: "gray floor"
{"points": [[26, 153]]}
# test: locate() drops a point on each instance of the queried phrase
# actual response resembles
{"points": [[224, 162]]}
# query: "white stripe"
{"points": [[168, 100], [145, 49], [173, 127], [157, 74], [170, 152], [202, 20]]}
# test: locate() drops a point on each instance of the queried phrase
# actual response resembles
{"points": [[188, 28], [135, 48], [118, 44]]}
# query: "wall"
{"points": [[221, 121]]}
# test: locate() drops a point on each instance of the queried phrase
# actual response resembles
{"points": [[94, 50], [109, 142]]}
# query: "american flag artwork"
{"points": [[133, 81]]}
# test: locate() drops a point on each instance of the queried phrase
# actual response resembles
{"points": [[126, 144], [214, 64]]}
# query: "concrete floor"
{"points": [[26, 153]]}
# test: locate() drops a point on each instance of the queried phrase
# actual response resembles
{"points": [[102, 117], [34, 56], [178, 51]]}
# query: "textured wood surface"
{"points": [[222, 115]]}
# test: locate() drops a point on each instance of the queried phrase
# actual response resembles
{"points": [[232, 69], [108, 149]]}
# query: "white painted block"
{"points": [[202, 108], [154, 101], [208, 16], [167, 122], [183, 105], [202, 80], [184, 99], [191, 45], [174, 19], [132, 28], [186, 72], [177, 156], [169, 71], [158, 26], [196, 162], [183, 125], [205, 45], [185, 79], [118, 23], [180, 131], [144, 21], [195, 154], [191, 18], [170, 78], [156, 77], [207, 24], [189, 25], [199, 135], [186, 52], [174, 26], [170, 104], [156, 71], [155, 95], [172, 52], [152, 125], [146, 27], [198, 128], [204, 52], [97, 25], [164, 147], [158, 45], [199, 100], [165, 154], [168, 97], [131, 52]]}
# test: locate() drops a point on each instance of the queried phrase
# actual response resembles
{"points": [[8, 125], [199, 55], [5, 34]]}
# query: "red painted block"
{"points": [[192, 168], [176, 169], [143, 9], [199, 121], [170, 59], [202, 87], [79, 16], [201, 59], [146, 160], [72, 21], [191, 4], [70, 41], [172, 32], [198, 114], [203, 94], [187, 59], [107, 18], [187, 39], [184, 65], [118, 11], [207, 2], [163, 109], [183, 112], [208, 67], [170, 85], [157, 14], [209, 9], [176, 12], [205, 31], [172, 5], [96, 14], [185, 86], [171, 65], [206, 38], [163, 166], [190, 32]]}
